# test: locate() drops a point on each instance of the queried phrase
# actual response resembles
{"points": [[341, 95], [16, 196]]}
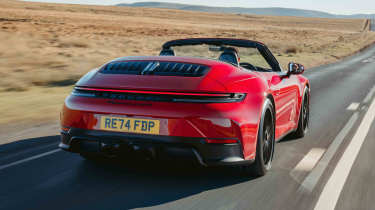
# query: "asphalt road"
{"points": [[332, 167]]}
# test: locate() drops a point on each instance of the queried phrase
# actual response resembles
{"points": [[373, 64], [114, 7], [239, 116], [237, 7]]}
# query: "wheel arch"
{"points": [[306, 86], [270, 97], [263, 111]]}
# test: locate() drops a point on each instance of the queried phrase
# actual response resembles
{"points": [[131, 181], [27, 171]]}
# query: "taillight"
{"points": [[229, 98], [140, 95]]}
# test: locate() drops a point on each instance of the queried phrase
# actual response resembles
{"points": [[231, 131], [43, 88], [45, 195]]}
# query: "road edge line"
{"points": [[29, 159], [332, 190], [314, 176]]}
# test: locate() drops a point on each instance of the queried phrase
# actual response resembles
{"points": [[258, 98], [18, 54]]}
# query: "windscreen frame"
{"points": [[263, 49]]}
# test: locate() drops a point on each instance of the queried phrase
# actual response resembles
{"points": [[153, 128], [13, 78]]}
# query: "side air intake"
{"points": [[161, 68]]}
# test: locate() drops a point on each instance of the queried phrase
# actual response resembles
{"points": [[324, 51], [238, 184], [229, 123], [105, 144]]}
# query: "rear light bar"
{"points": [[221, 141], [153, 92], [158, 95]]}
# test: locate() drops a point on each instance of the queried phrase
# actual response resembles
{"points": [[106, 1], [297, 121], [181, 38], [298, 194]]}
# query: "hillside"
{"points": [[274, 11]]}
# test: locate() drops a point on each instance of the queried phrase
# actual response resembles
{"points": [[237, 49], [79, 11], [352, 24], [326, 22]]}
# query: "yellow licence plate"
{"points": [[129, 125]]}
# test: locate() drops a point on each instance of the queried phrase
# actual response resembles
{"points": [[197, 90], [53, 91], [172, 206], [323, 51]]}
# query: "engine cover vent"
{"points": [[161, 68]]}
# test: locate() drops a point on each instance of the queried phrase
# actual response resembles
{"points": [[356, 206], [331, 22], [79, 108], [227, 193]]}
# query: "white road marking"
{"points": [[306, 164], [332, 190], [353, 106], [369, 60], [312, 179], [310, 160], [369, 96], [29, 159]]}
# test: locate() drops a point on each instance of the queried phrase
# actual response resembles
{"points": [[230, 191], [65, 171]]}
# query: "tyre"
{"points": [[265, 143], [304, 117]]}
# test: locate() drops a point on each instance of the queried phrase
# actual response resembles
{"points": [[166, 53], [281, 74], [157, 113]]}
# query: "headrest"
{"points": [[229, 56], [167, 52]]}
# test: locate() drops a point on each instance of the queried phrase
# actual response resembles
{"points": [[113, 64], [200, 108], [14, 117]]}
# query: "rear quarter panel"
{"points": [[256, 88]]}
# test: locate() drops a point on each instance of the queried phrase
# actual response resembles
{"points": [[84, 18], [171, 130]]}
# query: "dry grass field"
{"points": [[45, 48]]}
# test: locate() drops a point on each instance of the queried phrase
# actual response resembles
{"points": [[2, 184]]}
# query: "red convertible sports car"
{"points": [[221, 101]]}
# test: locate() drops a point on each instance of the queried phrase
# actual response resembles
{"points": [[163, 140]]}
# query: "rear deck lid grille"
{"points": [[161, 68]]}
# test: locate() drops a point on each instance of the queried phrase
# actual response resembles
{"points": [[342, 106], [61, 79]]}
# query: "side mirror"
{"points": [[295, 68]]}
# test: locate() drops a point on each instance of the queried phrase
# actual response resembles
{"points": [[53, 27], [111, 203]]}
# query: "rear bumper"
{"points": [[77, 140]]}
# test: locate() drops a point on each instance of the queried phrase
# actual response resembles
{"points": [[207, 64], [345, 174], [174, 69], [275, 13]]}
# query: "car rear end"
{"points": [[161, 105]]}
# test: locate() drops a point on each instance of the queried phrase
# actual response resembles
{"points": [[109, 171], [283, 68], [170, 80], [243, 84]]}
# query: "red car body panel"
{"points": [[237, 120]]}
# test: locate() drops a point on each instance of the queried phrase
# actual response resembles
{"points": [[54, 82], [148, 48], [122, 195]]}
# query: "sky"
{"points": [[331, 6]]}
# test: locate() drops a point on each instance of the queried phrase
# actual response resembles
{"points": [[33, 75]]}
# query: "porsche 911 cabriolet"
{"points": [[218, 101]]}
